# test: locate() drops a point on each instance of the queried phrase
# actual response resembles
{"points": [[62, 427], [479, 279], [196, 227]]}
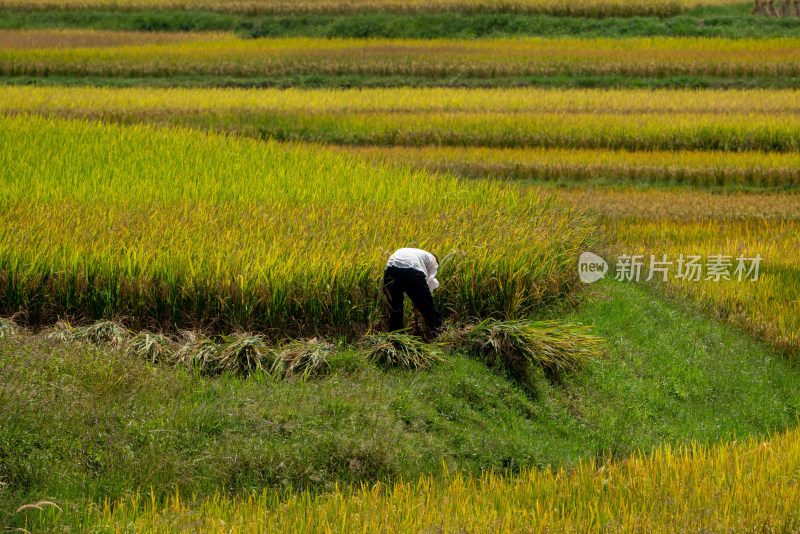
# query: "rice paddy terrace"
{"points": [[193, 226]]}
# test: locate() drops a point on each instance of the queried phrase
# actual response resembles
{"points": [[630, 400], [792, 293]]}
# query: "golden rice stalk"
{"points": [[243, 354], [198, 352], [395, 349], [103, 333], [38, 506], [303, 358], [171, 246], [519, 345], [154, 348]]}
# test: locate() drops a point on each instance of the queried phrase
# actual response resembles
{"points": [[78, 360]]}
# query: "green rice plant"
{"points": [[152, 347], [519, 345], [199, 352], [243, 354], [302, 358], [396, 349]]}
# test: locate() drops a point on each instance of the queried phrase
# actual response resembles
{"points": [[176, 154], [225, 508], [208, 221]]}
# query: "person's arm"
{"points": [[433, 268]]}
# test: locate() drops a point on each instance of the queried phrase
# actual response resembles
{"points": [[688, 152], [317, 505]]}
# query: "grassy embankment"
{"points": [[591, 8], [732, 21]]}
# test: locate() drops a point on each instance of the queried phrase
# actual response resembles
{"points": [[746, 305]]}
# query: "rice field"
{"points": [[96, 101], [706, 138], [690, 120], [577, 167], [646, 57], [675, 223], [176, 228], [36, 39], [112, 207], [706, 224], [590, 8], [743, 486]]}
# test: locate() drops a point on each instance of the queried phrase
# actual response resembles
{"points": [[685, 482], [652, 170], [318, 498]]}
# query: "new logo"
{"points": [[591, 267]]}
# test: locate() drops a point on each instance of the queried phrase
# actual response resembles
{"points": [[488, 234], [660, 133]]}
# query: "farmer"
{"points": [[412, 271]]}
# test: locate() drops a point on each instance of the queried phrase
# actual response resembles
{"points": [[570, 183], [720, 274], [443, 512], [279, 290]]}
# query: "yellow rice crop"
{"points": [[171, 227], [26, 39], [576, 166], [672, 222], [705, 224], [553, 7], [747, 486], [632, 119], [636, 56], [624, 119], [512, 101]]}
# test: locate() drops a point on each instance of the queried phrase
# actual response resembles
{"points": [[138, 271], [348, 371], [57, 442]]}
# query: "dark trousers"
{"points": [[412, 282]]}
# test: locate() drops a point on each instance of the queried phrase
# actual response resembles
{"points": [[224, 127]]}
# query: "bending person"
{"points": [[412, 271]]}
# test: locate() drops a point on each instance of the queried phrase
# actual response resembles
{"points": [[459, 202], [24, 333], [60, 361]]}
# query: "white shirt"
{"points": [[421, 260]]}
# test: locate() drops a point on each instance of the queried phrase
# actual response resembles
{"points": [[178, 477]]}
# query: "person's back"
{"points": [[412, 271]]}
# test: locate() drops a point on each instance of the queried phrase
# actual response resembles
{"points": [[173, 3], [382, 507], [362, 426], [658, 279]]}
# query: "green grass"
{"points": [[78, 421], [676, 373], [719, 21]]}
